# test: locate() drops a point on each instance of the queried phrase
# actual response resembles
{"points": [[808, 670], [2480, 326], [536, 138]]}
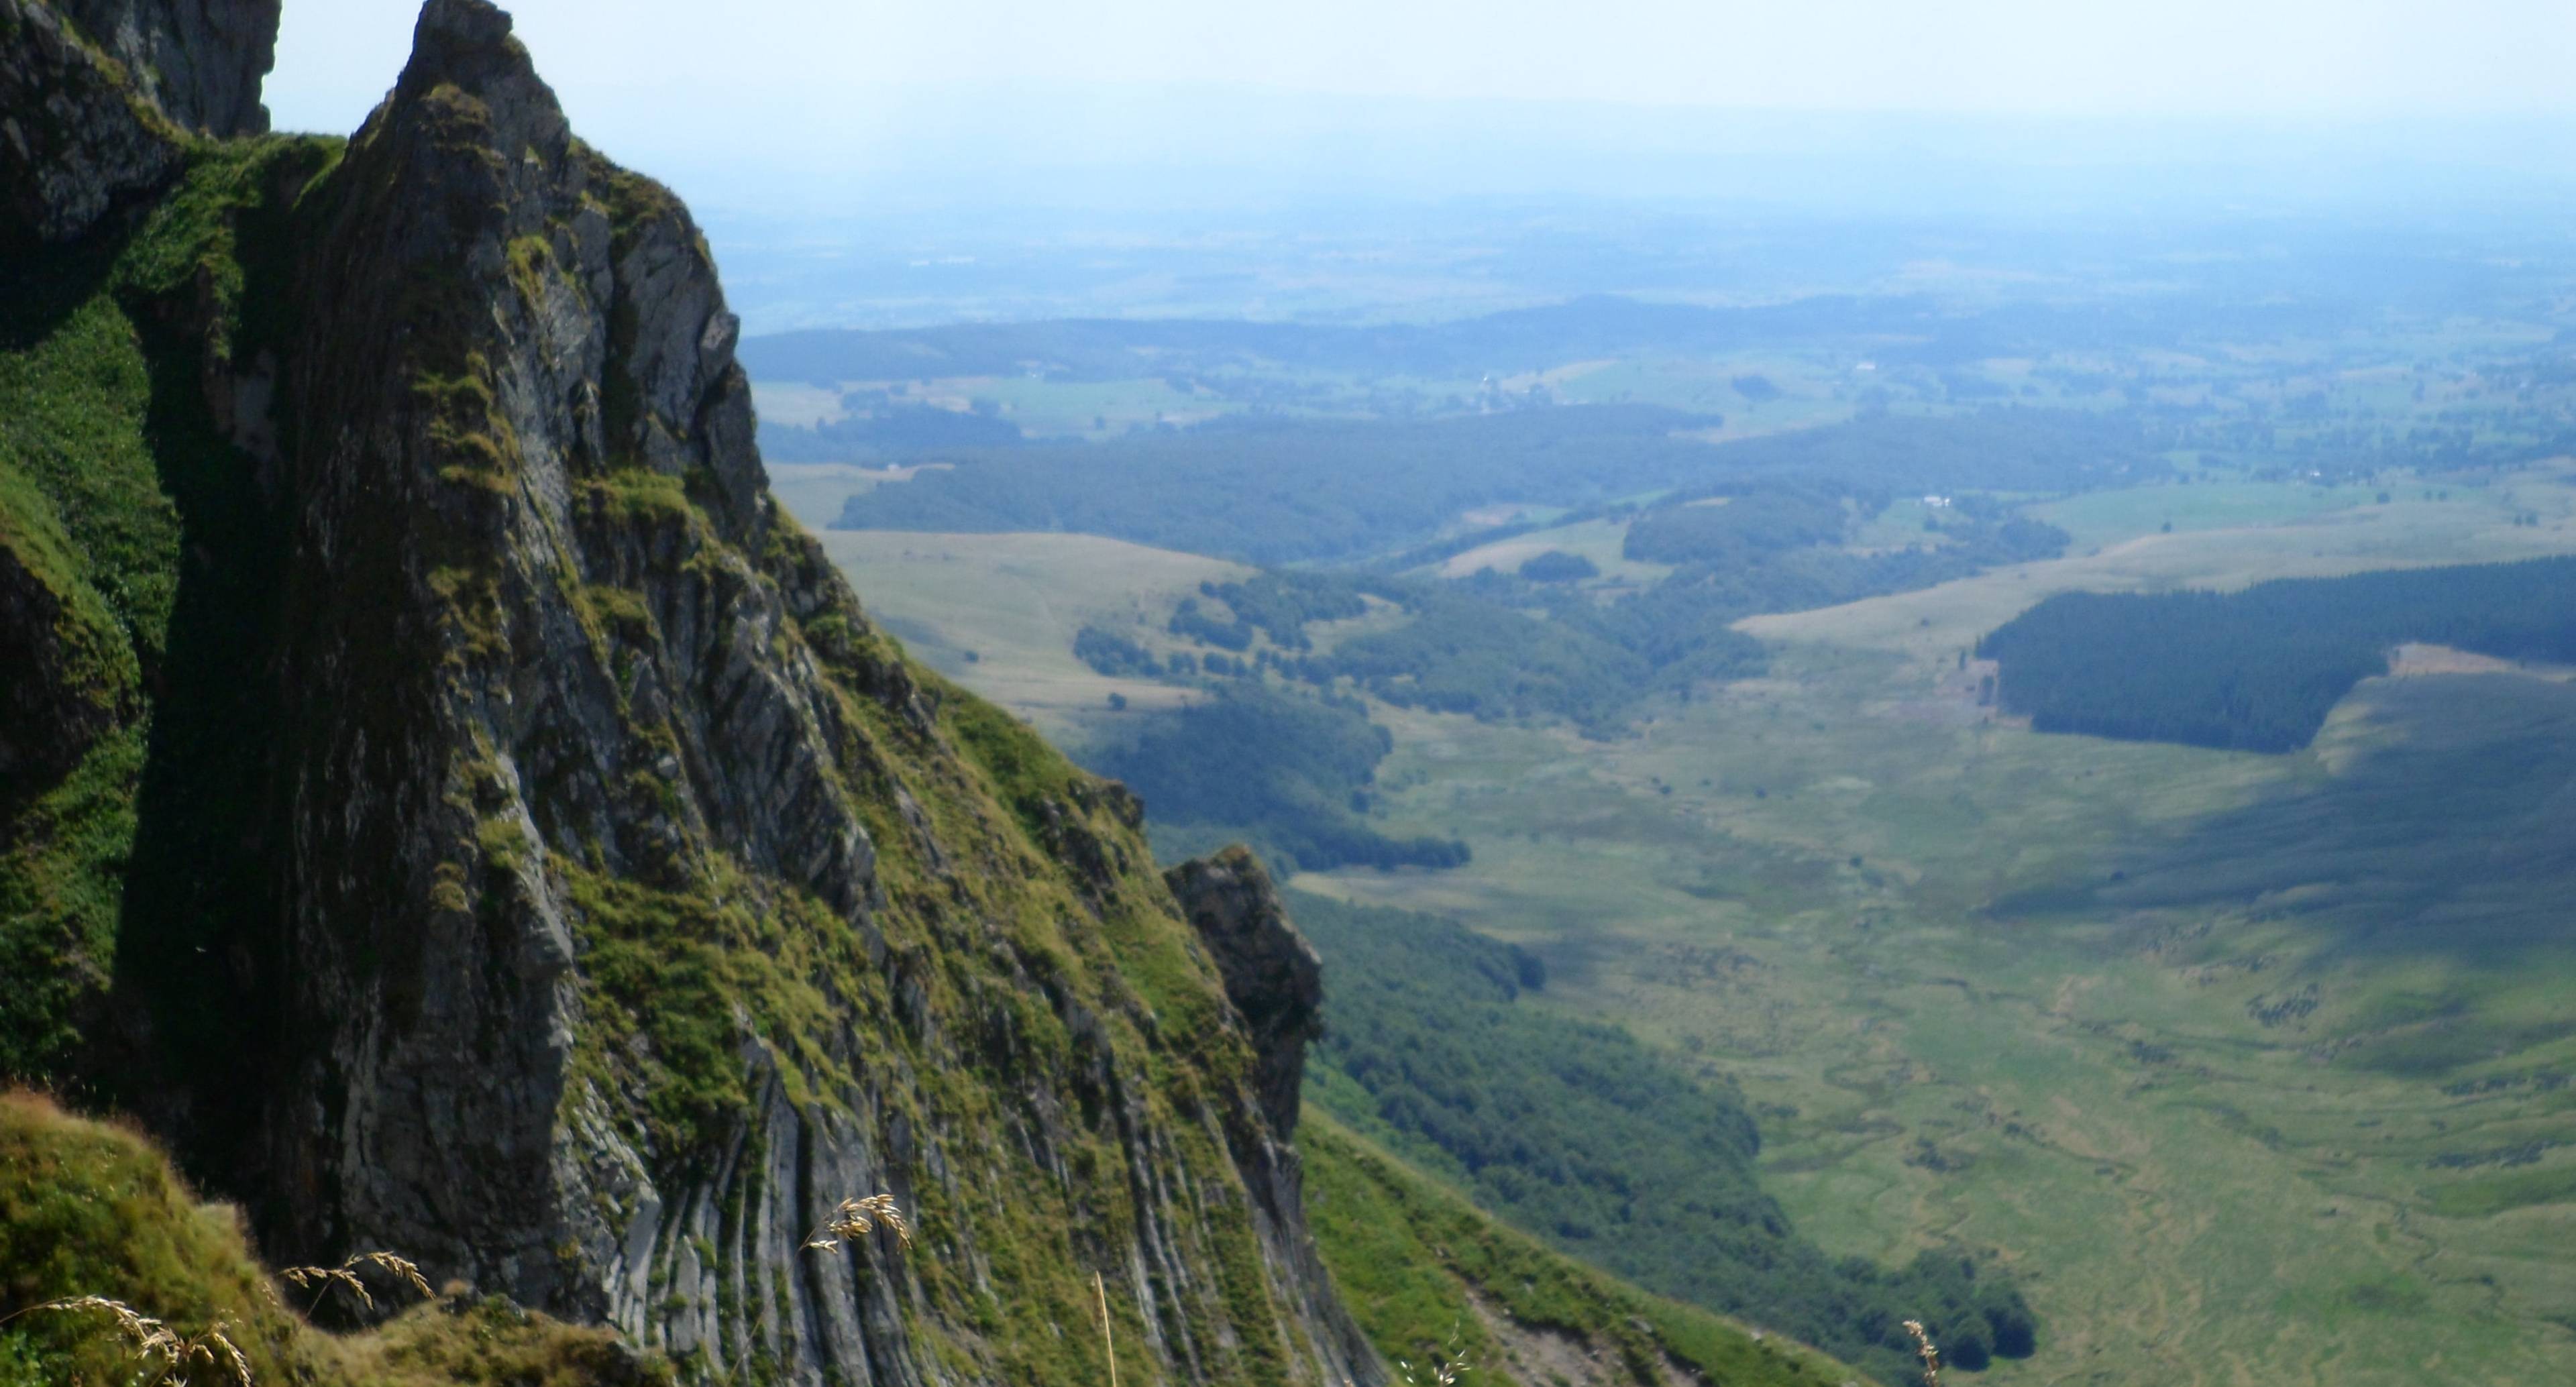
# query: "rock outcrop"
{"points": [[1272, 975], [77, 136], [200, 60], [1274, 980], [97, 98], [546, 869]]}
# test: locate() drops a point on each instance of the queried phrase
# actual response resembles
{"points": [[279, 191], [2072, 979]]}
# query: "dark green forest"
{"points": [[1993, 449], [1588, 1139], [1279, 491], [1279, 770], [2259, 670], [1276, 491]]}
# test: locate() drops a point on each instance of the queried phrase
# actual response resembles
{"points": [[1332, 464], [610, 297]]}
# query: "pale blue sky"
{"points": [[889, 95]]}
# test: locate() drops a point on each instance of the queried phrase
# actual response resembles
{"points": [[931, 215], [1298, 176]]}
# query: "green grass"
{"points": [[81, 505], [2499, 1193], [1016, 601], [2097, 1098], [1597, 540], [1427, 1276], [1040, 408], [87, 1208], [2107, 517]]}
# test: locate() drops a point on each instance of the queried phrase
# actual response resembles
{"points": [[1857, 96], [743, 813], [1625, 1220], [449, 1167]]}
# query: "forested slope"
{"points": [[2258, 670], [1582, 1136]]}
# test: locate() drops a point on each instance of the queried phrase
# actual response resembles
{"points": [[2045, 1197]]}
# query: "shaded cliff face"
{"points": [[97, 98], [77, 137], [531, 856], [201, 61]]}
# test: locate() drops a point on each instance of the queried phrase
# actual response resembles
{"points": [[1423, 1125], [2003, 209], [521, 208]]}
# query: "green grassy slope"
{"points": [[2248, 1126], [1429, 1276], [112, 471], [1442, 1045], [90, 1209], [1791, 882]]}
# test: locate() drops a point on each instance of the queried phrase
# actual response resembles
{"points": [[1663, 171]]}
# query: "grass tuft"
{"points": [[856, 1218]]}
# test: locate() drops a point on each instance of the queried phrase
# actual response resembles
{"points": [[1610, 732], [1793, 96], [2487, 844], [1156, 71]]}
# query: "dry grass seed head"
{"points": [[306, 1278], [858, 1217], [346, 1274], [1446, 1370], [1926, 1350], [232, 1359], [147, 1337], [400, 1269]]}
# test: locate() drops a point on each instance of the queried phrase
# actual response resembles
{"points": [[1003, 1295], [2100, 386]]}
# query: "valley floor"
{"points": [[2301, 1115]]}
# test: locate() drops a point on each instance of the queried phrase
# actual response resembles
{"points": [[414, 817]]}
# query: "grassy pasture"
{"points": [[1016, 601], [2273, 1129], [2100, 517], [1041, 407], [2212, 1184], [813, 491], [800, 403], [1806, 390], [2474, 526], [1597, 540]]}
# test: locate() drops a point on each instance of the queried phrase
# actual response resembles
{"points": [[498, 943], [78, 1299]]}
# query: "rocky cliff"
{"points": [[200, 61], [448, 799]]}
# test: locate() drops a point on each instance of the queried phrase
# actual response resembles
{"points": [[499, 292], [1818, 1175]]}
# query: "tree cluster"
{"points": [[1280, 770], [2258, 670]]}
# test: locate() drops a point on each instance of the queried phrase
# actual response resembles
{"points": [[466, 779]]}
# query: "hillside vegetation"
{"points": [[1605, 1149], [90, 1209], [1434, 1280], [1276, 491], [1286, 772], [2258, 670]]}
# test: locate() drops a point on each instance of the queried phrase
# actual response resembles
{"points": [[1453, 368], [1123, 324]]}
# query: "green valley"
{"points": [[2121, 1014]]}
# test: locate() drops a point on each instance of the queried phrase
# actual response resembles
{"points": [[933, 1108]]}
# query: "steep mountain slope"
{"points": [[1435, 1280], [448, 800]]}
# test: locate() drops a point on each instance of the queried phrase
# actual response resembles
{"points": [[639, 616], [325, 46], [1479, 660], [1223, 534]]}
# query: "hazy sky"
{"points": [[892, 97], [2100, 56]]}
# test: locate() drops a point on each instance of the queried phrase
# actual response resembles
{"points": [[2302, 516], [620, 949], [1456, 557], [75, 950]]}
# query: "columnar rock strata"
{"points": [[599, 898]]}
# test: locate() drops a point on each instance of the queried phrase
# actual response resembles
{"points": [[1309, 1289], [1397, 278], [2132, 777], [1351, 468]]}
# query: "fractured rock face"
{"points": [[95, 96], [201, 60], [77, 137], [1272, 975], [597, 898]]}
